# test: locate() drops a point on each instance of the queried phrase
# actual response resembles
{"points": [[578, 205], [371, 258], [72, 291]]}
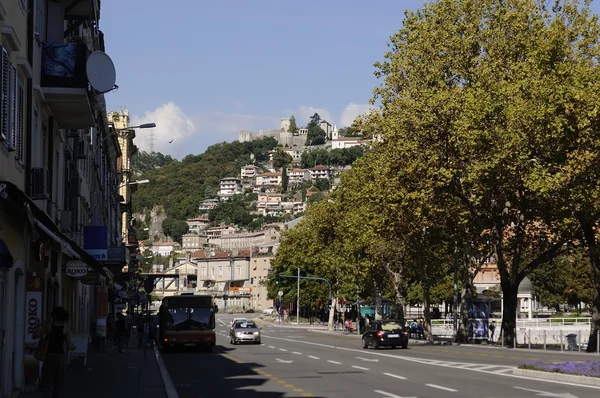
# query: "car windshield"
{"points": [[391, 326], [245, 325], [179, 319]]}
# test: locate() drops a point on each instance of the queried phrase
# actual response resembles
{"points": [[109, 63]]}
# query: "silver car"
{"points": [[244, 332]]}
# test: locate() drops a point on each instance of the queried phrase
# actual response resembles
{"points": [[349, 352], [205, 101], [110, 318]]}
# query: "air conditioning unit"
{"points": [[65, 221], [39, 183], [75, 186], [81, 149]]}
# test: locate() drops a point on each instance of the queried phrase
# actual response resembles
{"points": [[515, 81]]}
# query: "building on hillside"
{"points": [[194, 242], [295, 152], [244, 240], [197, 225], [271, 179], [324, 124], [320, 172], [250, 171], [229, 187], [164, 248], [208, 205], [297, 177], [215, 232]]}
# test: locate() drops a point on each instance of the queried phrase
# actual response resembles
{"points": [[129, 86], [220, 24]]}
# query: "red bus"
{"points": [[187, 321]]}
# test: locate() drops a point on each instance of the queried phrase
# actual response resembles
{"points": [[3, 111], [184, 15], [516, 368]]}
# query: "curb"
{"points": [[164, 374], [554, 376]]}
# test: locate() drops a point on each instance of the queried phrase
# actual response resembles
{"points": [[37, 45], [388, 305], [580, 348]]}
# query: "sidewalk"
{"points": [[111, 374]]}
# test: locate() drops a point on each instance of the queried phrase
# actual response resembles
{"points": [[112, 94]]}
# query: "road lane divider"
{"points": [[360, 368], [441, 387], [334, 362], [389, 394], [170, 389], [395, 376]]}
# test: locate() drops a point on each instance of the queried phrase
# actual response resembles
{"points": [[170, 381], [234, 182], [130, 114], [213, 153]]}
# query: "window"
{"points": [[39, 23], [239, 271], [4, 96], [203, 271], [220, 271]]}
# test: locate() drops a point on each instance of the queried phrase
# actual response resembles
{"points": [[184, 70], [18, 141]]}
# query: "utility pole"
{"points": [[298, 300]]}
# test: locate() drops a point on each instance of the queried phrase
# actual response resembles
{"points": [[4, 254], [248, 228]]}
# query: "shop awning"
{"points": [[44, 223]]}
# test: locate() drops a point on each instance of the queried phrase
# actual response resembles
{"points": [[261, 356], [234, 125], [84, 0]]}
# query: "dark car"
{"points": [[385, 334]]}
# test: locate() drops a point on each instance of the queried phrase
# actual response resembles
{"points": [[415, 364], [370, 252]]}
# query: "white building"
{"points": [[230, 186]]}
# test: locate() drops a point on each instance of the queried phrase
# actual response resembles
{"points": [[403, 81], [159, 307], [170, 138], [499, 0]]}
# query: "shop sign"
{"points": [[92, 278], [76, 269]]}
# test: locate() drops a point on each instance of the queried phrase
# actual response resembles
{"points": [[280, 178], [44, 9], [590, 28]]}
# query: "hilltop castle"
{"points": [[283, 135]]}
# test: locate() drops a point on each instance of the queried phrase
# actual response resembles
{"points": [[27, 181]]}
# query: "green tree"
{"points": [[281, 159], [316, 135], [293, 127], [478, 98], [175, 229]]}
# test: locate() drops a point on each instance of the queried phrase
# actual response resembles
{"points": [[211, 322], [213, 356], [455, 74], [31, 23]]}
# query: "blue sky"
{"points": [[204, 70]]}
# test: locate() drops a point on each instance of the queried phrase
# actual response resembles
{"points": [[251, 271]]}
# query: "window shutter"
{"points": [[20, 121], [4, 67], [12, 132]]}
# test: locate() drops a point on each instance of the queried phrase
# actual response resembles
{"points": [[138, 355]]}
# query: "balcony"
{"points": [[64, 84], [83, 10]]}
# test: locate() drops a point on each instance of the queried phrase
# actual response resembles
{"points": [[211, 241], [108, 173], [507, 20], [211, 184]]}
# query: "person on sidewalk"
{"points": [[120, 331], [59, 338]]}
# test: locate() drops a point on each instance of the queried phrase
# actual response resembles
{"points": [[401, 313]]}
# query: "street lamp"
{"points": [[139, 182], [139, 126]]}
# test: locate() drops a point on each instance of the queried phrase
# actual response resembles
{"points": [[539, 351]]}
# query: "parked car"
{"points": [[385, 334], [244, 332], [268, 311]]}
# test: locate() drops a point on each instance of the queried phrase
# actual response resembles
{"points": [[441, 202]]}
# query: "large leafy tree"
{"points": [[485, 99]]}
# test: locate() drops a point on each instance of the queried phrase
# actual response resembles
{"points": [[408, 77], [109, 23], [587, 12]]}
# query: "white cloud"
{"points": [[304, 113], [171, 124], [351, 111]]}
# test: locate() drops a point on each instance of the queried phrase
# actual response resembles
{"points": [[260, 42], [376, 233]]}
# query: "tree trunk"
{"points": [[509, 312], [378, 305], [465, 299], [398, 298], [331, 314], [590, 238], [427, 313]]}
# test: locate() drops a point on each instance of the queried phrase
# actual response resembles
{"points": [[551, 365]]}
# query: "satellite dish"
{"points": [[101, 72]]}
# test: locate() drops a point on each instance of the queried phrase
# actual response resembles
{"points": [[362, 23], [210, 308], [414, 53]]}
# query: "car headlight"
{"points": [[239, 334], [256, 333]]}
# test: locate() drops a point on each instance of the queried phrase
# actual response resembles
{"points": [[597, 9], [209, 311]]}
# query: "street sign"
{"points": [[280, 293]]}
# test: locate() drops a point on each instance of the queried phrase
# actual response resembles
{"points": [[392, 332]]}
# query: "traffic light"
{"points": [[277, 280]]}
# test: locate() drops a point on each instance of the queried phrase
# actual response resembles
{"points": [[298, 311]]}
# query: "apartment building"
{"points": [[260, 265], [268, 179], [229, 187], [59, 211], [225, 275]]}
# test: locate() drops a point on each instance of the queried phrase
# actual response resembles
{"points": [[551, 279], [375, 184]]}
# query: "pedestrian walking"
{"points": [[120, 331], [58, 341]]}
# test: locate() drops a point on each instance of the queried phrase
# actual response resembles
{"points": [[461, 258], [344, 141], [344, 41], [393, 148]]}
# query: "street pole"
{"points": [[298, 300]]}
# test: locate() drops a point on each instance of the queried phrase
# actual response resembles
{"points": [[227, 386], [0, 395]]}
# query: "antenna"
{"points": [[151, 138]]}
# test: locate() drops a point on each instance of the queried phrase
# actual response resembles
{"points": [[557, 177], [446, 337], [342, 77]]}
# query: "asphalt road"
{"points": [[298, 363]]}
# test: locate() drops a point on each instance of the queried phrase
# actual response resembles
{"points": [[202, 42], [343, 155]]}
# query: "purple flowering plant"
{"points": [[588, 368]]}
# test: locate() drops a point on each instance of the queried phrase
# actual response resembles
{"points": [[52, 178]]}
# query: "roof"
{"points": [[198, 219], [320, 167], [270, 174], [219, 254], [163, 243], [298, 170]]}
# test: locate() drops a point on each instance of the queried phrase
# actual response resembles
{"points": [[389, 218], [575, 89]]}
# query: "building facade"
{"points": [[58, 179]]}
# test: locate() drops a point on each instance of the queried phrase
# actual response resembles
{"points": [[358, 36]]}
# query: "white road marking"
{"points": [[223, 323], [336, 362], [283, 349], [271, 346], [387, 394], [367, 360], [312, 357], [441, 387], [283, 361], [296, 352], [395, 376], [360, 367]]}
